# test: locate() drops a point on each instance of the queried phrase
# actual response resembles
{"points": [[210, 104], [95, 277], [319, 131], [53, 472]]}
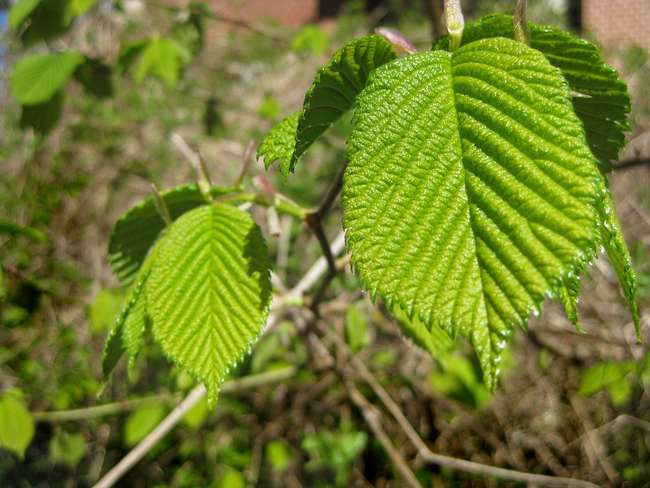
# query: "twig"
{"points": [[631, 163], [425, 453], [373, 419]]}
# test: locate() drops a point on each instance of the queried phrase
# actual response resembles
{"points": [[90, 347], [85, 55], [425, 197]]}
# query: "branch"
{"points": [[114, 408], [631, 163], [425, 453]]}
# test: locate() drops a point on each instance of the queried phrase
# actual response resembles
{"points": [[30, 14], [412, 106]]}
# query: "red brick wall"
{"points": [[618, 21]]}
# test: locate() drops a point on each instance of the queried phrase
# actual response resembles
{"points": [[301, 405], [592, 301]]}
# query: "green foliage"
{"points": [[335, 451], [13, 229], [209, 291], [137, 229], [104, 309], [36, 78], [459, 381], [310, 39], [16, 423], [278, 455], [470, 191], [231, 478], [20, 11], [600, 97], [615, 377], [429, 337], [67, 448], [356, 329], [334, 89], [43, 117], [160, 57], [278, 144], [142, 421], [197, 415]]}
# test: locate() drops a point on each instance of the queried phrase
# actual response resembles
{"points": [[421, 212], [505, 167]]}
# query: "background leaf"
{"points": [[36, 78], [16, 423]]}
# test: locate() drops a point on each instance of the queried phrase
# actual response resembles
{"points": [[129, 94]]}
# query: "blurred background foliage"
{"points": [[91, 91]]}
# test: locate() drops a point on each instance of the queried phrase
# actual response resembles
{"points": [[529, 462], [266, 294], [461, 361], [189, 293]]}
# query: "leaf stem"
{"points": [[283, 204], [455, 23], [520, 22]]}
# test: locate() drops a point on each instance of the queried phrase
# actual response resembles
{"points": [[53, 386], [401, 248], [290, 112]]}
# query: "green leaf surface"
{"points": [[209, 293], [43, 117], [600, 96], [137, 229], [20, 11], [36, 78], [619, 256], [335, 88], [471, 191], [16, 423], [602, 375], [278, 144], [67, 448], [568, 294], [7, 227]]}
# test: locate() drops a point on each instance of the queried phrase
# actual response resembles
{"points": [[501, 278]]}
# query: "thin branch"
{"points": [[373, 419], [425, 453], [631, 163], [114, 408]]}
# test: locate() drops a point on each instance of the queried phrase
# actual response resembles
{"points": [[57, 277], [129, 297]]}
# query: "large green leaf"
{"points": [[471, 191], [335, 88], [36, 78], [600, 96], [209, 291]]}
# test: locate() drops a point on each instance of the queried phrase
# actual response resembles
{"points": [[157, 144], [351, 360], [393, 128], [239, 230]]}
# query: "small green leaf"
{"points": [[602, 375], [142, 421], [568, 294], [619, 256], [209, 293], [279, 142], [196, 415], [67, 448], [20, 11], [104, 309], [16, 423], [356, 329], [471, 191], [310, 40], [335, 88], [278, 455], [163, 58], [36, 78], [429, 337], [231, 479]]}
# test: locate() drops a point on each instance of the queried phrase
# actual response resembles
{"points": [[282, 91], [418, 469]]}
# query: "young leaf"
{"points": [[471, 191], [16, 423], [334, 89], [278, 144], [161, 57], [142, 421], [619, 256], [600, 97], [36, 78], [20, 11], [137, 229], [568, 294], [209, 293]]}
